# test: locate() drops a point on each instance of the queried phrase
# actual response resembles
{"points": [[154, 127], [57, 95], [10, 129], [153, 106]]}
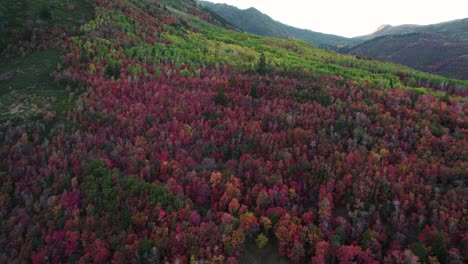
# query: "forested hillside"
{"points": [[156, 135], [253, 21], [440, 48]]}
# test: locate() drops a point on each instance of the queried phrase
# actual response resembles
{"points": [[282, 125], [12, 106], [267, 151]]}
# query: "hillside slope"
{"points": [[440, 49], [193, 143], [33, 38], [253, 21]]}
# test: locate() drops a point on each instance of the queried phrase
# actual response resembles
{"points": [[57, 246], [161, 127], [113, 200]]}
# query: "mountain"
{"points": [[143, 131], [456, 30], [391, 30], [253, 21], [440, 49]]}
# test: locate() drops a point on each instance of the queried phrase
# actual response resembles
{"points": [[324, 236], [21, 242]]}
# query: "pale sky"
{"points": [[351, 18]]}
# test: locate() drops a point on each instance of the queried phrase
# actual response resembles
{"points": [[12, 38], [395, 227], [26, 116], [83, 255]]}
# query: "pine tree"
{"points": [[253, 95], [220, 98], [253, 92], [261, 67]]}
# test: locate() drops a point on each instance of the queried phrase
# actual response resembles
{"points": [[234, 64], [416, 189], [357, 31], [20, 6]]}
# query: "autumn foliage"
{"points": [[149, 167]]}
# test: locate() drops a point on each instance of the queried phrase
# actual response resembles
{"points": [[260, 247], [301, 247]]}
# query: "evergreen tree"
{"points": [[253, 95], [261, 67], [253, 92], [220, 98]]}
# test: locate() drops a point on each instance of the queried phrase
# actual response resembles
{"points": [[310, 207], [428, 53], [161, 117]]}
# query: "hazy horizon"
{"points": [[355, 18]]}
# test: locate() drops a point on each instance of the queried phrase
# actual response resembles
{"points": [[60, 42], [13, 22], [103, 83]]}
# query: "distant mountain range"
{"points": [[440, 48], [456, 29], [253, 21]]}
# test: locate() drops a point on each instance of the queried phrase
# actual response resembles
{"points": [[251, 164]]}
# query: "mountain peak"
{"points": [[382, 27], [252, 9]]}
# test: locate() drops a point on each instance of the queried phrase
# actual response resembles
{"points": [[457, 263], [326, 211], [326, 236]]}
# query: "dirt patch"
{"points": [[267, 255]]}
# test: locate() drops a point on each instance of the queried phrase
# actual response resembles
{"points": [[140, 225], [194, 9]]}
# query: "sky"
{"points": [[351, 18]]}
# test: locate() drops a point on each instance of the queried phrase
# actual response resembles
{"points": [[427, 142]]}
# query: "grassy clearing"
{"points": [[69, 12], [31, 92], [14, 16]]}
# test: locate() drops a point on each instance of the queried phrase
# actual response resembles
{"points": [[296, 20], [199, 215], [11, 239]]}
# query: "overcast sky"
{"points": [[352, 18]]}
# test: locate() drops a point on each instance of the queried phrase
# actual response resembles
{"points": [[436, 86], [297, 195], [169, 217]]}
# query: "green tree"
{"points": [[220, 97], [261, 241], [147, 251], [262, 67], [113, 69], [439, 247], [419, 250], [44, 12], [253, 92], [253, 95]]}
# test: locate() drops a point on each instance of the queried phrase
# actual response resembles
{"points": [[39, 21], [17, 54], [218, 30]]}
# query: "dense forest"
{"points": [[153, 134]]}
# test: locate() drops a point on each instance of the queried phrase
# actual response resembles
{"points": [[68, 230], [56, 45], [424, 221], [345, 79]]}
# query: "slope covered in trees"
{"points": [[191, 141], [253, 21], [440, 48]]}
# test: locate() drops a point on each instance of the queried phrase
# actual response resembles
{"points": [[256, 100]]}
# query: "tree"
{"points": [[419, 250], [253, 95], [253, 92], [297, 252], [346, 254], [44, 12], [262, 67], [147, 251], [261, 240], [220, 97], [113, 69], [439, 247]]}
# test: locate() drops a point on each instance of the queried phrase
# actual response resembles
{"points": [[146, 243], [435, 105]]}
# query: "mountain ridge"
{"points": [[439, 48], [254, 21], [451, 26]]}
